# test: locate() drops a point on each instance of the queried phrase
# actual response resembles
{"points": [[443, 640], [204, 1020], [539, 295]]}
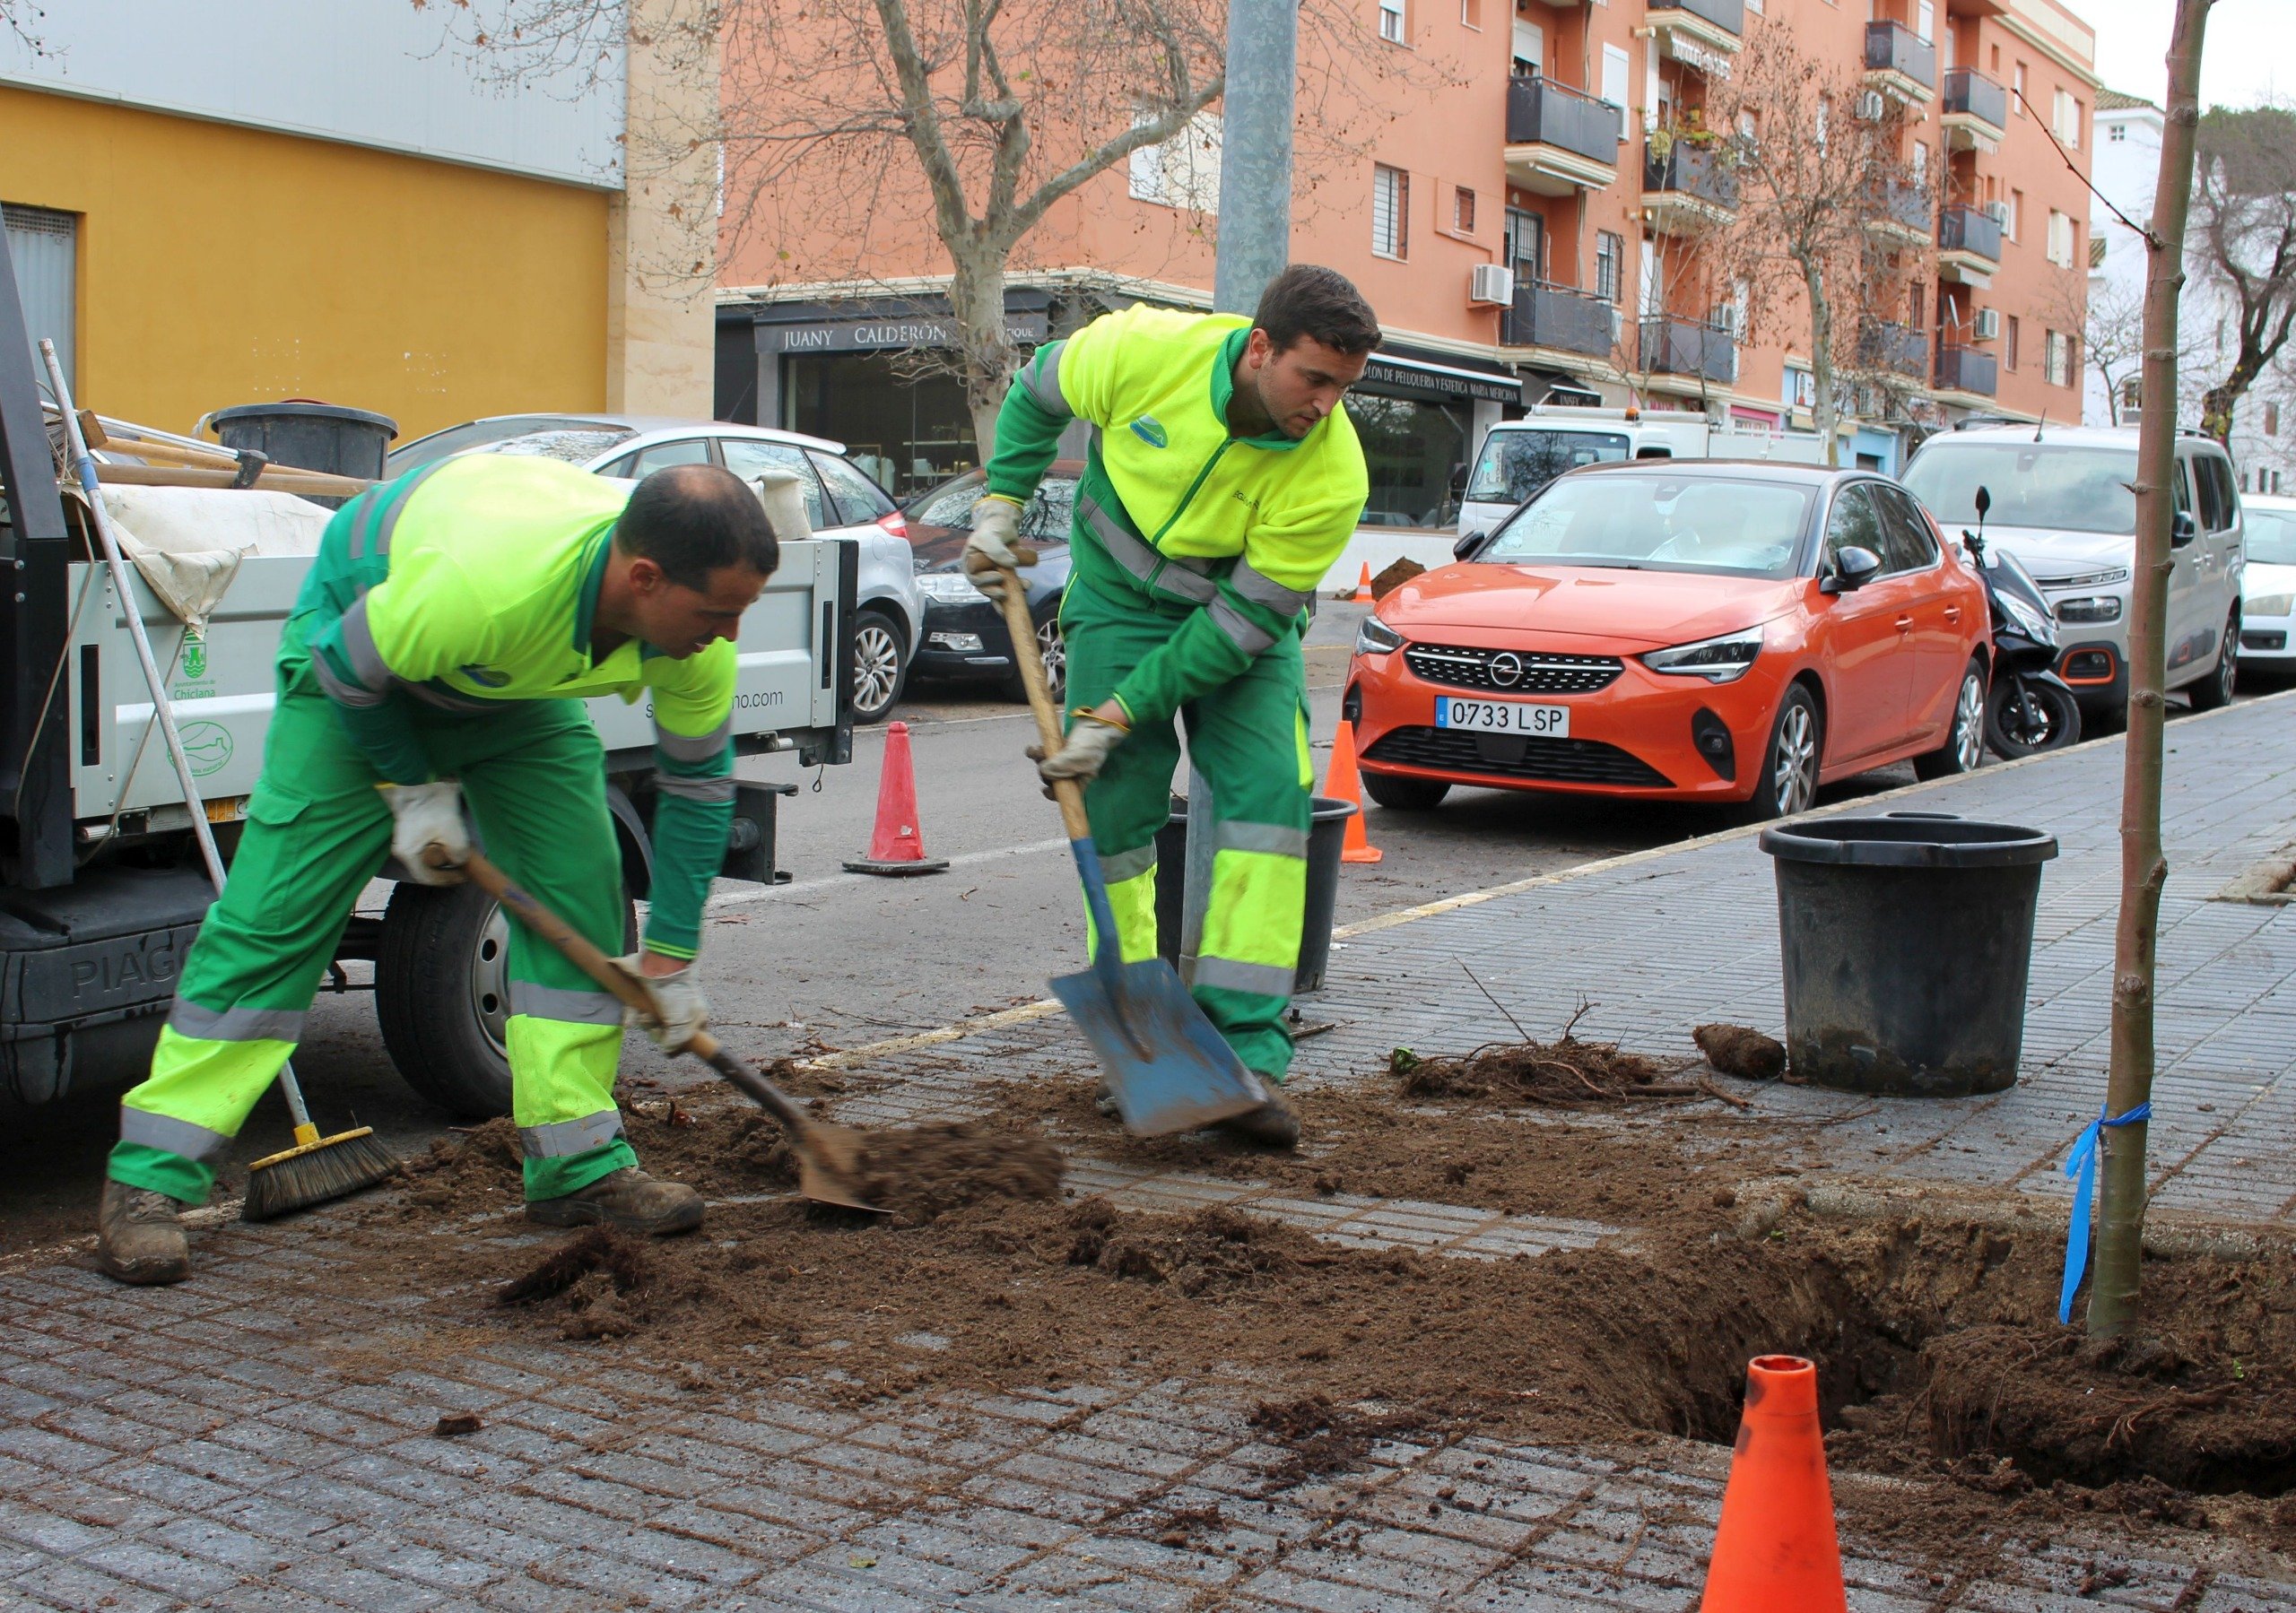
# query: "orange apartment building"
{"points": [[1537, 157]]}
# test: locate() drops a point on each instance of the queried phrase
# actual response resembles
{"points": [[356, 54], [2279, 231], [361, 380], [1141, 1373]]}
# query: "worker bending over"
{"points": [[1222, 482], [451, 625]]}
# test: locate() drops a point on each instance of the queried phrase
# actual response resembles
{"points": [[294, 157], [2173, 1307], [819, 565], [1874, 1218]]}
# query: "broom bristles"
{"points": [[332, 1168]]}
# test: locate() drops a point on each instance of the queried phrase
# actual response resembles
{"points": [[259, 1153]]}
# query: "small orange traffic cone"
{"points": [[1363, 588], [1776, 1547], [897, 848], [1344, 782]]}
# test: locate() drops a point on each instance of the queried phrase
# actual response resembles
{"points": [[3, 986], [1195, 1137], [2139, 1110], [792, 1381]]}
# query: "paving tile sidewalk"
{"points": [[263, 1437]]}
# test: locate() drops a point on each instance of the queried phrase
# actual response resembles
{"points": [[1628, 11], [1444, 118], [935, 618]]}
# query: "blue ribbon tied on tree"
{"points": [[2083, 1168]]}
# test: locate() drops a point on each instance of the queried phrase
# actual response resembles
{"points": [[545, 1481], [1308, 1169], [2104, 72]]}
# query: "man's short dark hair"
{"points": [[693, 519], [1310, 300]]}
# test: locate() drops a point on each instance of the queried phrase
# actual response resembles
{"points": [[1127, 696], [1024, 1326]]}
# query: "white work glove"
{"points": [[423, 816], [1084, 753], [678, 1012], [995, 550]]}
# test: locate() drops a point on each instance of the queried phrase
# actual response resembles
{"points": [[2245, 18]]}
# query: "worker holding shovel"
{"points": [[1222, 482], [450, 625]]}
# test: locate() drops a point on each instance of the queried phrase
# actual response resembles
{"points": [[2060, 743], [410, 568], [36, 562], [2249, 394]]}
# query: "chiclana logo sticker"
{"points": [[1148, 430]]}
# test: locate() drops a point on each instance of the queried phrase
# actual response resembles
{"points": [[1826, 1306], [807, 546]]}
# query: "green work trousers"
{"points": [[1248, 738], [317, 831]]}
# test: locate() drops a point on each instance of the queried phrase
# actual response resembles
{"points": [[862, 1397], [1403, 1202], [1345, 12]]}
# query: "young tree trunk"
{"points": [[1827, 419], [2144, 870]]}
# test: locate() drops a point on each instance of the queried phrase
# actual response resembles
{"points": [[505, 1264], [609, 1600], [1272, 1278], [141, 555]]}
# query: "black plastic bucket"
{"points": [[1326, 833], [310, 436], [1908, 940]]}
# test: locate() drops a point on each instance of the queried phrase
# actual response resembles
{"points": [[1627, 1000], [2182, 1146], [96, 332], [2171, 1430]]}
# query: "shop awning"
{"points": [[1456, 378]]}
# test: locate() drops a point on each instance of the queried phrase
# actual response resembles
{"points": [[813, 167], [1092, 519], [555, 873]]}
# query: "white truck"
{"points": [[101, 887], [1520, 456]]}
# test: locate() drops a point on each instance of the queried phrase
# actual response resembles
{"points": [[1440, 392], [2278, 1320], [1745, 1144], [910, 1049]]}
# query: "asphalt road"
{"points": [[838, 960]]}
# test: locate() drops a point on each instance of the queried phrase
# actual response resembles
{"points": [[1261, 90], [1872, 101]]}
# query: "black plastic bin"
{"points": [[1325, 833], [310, 436], [1907, 941]]}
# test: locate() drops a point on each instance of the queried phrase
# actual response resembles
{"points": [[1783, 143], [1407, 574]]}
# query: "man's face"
{"points": [[681, 621], [1300, 385]]}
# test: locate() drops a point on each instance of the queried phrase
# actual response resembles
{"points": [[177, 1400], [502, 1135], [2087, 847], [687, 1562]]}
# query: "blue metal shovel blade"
{"points": [[1170, 1070]]}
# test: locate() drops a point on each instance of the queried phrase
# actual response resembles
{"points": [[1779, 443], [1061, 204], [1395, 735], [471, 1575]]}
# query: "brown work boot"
{"points": [[1272, 1125], [629, 1199], [138, 1238]]}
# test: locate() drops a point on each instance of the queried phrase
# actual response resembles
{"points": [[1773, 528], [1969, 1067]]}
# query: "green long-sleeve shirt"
{"points": [[476, 580], [1229, 533]]}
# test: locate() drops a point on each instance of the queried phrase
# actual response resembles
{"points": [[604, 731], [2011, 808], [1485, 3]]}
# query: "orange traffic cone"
{"points": [[1776, 1546], [897, 847], [1341, 782], [1363, 588]]}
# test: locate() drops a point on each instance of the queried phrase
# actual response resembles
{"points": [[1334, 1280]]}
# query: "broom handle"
{"points": [[613, 976], [83, 464]]}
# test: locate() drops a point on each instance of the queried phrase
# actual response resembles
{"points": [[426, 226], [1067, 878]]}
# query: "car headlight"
{"points": [[1722, 660], [2271, 604], [950, 587], [1376, 637]]}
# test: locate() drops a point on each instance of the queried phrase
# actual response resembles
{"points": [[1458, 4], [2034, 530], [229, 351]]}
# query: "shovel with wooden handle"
{"points": [[1169, 1068], [829, 1156]]}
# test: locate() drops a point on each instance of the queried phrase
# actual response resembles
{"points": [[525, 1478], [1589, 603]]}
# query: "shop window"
{"points": [[905, 431], [1390, 211], [1412, 449]]}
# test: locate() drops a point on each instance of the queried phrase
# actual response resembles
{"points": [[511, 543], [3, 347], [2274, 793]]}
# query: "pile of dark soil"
{"points": [[1564, 1074], [1938, 1356], [918, 1175]]}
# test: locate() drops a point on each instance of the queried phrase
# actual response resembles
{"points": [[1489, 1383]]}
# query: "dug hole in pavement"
{"points": [[1481, 1344]]}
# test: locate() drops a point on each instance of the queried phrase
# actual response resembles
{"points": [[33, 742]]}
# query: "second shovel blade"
{"points": [[1169, 1068]]}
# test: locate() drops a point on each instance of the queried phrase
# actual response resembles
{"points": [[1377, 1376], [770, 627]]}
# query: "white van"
{"points": [[1520, 456], [2063, 504]]}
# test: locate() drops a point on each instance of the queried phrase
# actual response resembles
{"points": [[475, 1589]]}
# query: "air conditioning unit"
{"points": [[1999, 211], [1869, 106], [1988, 324], [1492, 283]]}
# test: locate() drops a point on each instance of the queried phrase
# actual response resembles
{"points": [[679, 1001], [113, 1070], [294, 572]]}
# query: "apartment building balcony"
{"points": [[1562, 317], [1559, 140], [1687, 188], [1968, 246], [1703, 34], [1899, 62], [1897, 348], [1690, 348], [1966, 375], [1974, 111], [1901, 212]]}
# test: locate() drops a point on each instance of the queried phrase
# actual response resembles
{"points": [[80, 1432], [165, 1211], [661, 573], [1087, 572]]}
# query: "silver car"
{"points": [[840, 501]]}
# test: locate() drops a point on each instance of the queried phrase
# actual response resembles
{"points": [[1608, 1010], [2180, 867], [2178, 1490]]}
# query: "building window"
{"points": [[2116, 132], [1610, 265], [2016, 214], [1391, 21], [2064, 119], [1184, 172], [1916, 300], [2272, 419], [2132, 392], [45, 248], [1471, 14], [1463, 210], [2060, 238], [2009, 342], [1390, 211], [2017, 83], [1801, 389], [2057, 359]]}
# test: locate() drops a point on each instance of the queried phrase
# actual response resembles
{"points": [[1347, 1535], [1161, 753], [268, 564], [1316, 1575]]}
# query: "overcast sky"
{"points": [[2250, 54]]}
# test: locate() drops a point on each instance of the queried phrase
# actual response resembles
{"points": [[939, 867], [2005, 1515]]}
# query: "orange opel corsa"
{"points": [[1700, 630]]}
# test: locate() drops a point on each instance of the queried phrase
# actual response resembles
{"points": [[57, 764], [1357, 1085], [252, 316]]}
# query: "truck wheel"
{"points": [[442, 994]]}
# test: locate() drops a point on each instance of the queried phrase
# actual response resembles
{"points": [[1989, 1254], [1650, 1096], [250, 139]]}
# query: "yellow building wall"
{"points": [[222, 265]]}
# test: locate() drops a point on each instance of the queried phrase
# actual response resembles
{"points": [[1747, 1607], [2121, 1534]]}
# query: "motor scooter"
{"points": [[2029, 708]]}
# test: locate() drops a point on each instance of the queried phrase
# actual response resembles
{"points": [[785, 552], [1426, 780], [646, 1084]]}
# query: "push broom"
{"points": [[317, 1168]]}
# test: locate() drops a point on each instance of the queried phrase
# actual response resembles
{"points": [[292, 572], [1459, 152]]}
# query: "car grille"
{"points": [[1514, 671], [1510, 756]]}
